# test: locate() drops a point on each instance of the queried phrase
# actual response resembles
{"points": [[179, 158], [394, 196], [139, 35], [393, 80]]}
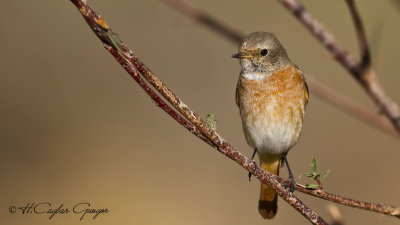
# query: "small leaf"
{"points": [[311, 186], [324, 174], [309, 175], [313, 164], [305, 174]]}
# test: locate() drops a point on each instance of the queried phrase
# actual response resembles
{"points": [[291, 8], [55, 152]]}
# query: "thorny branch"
{"points": [[195, 125], [317, 88], [362, 71]]}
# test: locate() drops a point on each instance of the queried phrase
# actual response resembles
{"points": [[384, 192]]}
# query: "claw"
{"points": [[291, 178], [255, 165], [292, 184], [252, 159]]}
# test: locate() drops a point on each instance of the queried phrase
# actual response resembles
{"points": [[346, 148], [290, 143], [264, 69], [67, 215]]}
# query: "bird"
{"points": [[271, 94]]}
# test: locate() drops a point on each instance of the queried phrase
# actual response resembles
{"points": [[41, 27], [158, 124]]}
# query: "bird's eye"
{"points": [[264, 52]]}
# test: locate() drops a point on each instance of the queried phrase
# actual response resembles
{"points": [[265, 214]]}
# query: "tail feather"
{"points": [[268, 208], [268, 203]]}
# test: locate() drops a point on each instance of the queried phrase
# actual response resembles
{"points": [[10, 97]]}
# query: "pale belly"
{"points": [[270, 134]]}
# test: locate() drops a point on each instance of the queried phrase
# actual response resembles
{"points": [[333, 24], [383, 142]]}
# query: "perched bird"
{"points": [[271, 94]]}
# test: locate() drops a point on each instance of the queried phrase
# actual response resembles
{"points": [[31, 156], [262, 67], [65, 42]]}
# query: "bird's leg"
{"points": [[252, 159], [291, 178]]}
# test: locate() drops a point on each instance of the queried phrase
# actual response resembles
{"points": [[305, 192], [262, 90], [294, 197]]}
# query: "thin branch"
{"points": [[362, 38], [132, 65], [318, 30], [317, 88], [374, 207], [364, 75], [350, 106], [205, 19]]}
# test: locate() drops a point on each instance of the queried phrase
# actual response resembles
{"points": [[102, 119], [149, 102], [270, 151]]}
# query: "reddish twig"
{"points": [[317, 88], [363, 73], [321, 186], [132, 65]]}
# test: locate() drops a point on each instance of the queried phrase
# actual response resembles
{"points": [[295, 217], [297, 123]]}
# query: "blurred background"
{"points": [[74, 127]]}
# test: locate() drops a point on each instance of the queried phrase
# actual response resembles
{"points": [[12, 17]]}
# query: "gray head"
{"points": [[262, 53]]}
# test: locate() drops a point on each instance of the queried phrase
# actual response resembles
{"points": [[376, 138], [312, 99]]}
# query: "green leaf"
{"points": [[309, 175], [324, 174], [311, 186], [306, 174], [314, 165]]}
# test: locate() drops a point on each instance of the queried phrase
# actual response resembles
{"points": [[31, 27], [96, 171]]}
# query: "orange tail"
{"points": [[268, 203]]}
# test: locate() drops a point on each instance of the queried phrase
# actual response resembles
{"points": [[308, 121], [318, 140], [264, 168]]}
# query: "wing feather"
{"points": [[298, 70], [237, 97]]}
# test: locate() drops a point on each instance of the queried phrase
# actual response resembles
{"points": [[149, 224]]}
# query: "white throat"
{"points": [[253, 76]]}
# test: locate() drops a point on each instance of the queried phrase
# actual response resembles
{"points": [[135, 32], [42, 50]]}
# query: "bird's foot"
{"points": [[290, 184], [255, 165], [252, 160]]}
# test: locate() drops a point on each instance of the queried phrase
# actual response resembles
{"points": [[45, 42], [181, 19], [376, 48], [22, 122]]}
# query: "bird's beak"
{"points": [[240, 55]]}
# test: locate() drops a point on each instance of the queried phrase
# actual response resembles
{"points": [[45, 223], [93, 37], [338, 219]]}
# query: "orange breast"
{"points": [[272, 110]]}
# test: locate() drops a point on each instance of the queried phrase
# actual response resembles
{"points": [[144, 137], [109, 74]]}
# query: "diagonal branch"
{"points": [[133, 65], [351, 107], [362, 38], [363, 74], [203, 18]]}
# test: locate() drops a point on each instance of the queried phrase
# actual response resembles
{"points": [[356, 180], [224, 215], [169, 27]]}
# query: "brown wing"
{"points": [[237, 98], [298, 70]]}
